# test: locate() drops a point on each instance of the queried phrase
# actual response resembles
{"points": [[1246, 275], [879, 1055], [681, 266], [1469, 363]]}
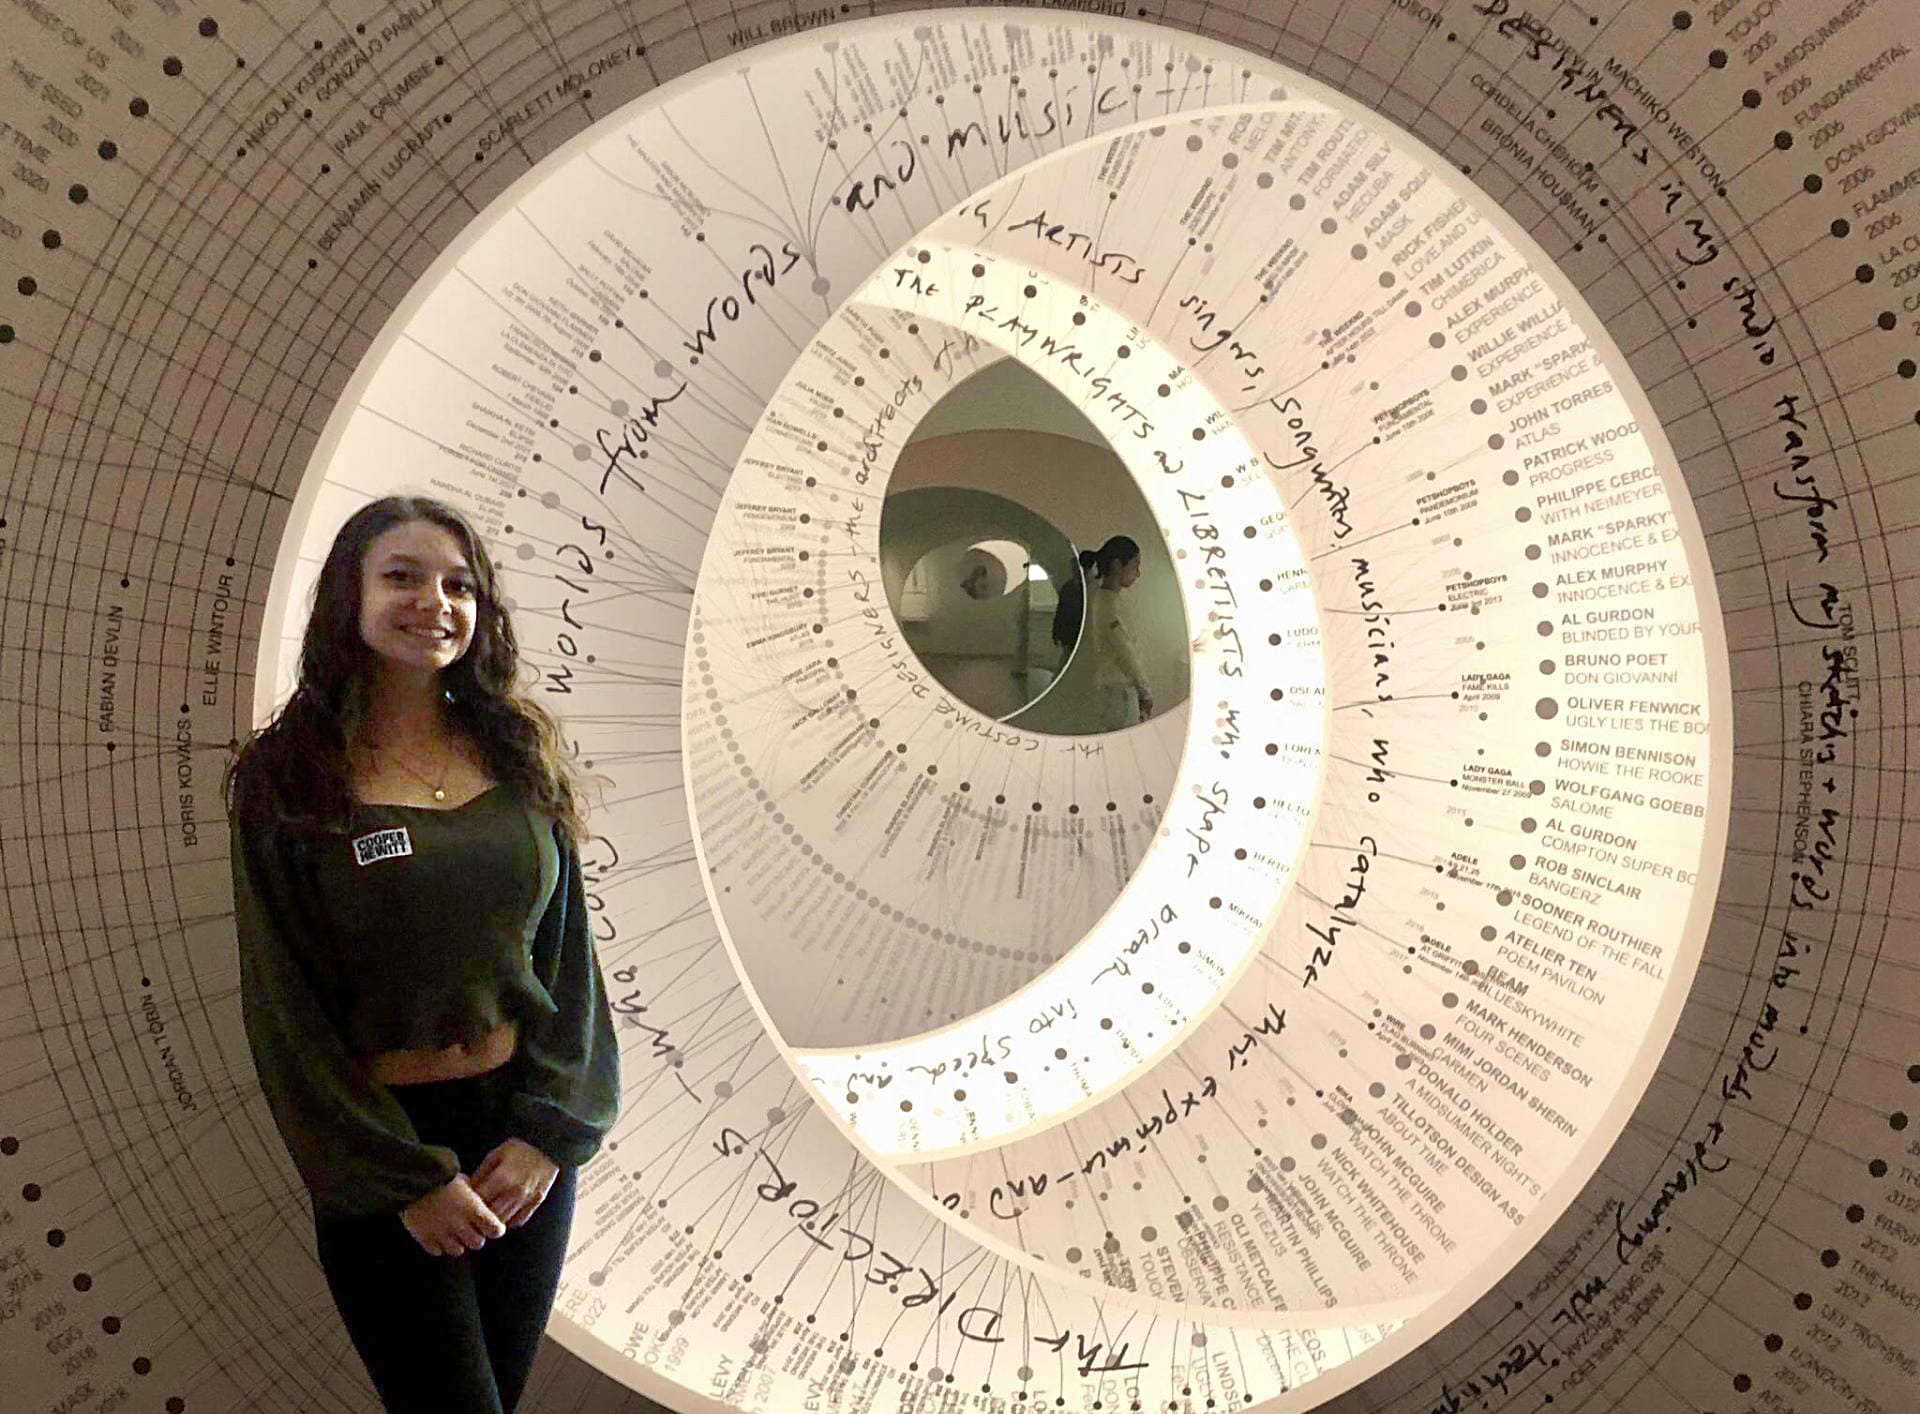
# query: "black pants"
{"points": [[449, 1335]]}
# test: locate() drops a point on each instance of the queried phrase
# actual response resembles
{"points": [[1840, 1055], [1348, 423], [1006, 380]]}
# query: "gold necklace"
{"points": [[438, 789]]}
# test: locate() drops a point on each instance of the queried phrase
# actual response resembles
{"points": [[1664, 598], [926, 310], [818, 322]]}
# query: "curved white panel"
{"points": [[1544, 379]]}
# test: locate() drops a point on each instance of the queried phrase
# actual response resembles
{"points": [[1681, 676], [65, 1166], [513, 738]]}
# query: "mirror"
{"points": [[1001, 495], [972, 579]]}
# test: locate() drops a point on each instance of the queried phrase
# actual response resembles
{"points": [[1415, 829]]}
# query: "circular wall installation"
{"points": [[1484, 990]]}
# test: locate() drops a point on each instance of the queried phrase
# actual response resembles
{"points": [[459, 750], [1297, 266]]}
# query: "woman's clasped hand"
{"points": [[462, 1214], [513, 1180], [452, 1219]]}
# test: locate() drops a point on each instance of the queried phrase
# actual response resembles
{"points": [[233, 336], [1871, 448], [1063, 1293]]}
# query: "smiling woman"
{"points": [[416, 598], [421, 994]]}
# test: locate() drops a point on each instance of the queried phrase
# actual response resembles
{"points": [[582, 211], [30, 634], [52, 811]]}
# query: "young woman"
{"points": [[1120, 686], [417, 969]]}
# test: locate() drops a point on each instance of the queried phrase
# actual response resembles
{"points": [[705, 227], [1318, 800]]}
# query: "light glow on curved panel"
{"points": [[1476, 991]]}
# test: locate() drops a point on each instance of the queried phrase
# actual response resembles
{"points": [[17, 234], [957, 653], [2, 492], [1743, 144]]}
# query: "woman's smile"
{"points": [[418, 604]]}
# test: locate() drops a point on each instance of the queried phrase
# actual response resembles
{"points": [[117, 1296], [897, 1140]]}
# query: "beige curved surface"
{"points": [[264, 264]]}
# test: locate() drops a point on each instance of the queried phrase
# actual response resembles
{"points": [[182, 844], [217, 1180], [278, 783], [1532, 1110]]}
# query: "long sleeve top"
{"points": [[417, 929], [1109, 642]]}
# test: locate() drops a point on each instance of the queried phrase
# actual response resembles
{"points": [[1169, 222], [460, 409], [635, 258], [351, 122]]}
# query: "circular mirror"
{"points": [[991, 540], [972, 579]]}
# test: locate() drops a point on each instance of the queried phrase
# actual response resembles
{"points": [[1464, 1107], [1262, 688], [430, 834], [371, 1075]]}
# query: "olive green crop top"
{"points": [[418, 929]]}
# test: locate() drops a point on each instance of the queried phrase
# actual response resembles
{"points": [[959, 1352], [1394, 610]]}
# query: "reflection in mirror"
{"points": [[1007, 518], [971, 577], [1093, 624]]}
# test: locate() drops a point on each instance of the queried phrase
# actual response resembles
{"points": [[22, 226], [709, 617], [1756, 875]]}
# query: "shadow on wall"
{"points": [[1085, 491]]}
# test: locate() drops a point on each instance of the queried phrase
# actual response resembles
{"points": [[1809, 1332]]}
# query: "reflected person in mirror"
{"points": [[418, 976], [1095, 625]]}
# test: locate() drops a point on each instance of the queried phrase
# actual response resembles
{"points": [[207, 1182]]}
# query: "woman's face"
{"points": [[1126, 572], [418, 606]]}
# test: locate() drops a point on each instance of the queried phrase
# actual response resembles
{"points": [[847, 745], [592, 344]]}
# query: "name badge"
{"points": [[382, 844]]}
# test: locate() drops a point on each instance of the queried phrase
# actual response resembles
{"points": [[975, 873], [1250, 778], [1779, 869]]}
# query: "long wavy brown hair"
{"points": [[295, 770]]}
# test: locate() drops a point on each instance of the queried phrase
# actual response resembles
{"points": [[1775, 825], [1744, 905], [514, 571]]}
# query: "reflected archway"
{"points": [[971, 578]]}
